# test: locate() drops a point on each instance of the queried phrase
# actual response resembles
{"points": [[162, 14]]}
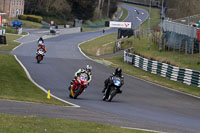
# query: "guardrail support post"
{"points": [[186, 43]]}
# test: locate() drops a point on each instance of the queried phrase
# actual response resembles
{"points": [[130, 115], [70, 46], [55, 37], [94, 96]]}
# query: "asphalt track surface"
{"points": [[141, 105]]}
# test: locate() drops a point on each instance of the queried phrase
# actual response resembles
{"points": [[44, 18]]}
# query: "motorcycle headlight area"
{"points": [[117, 83]]}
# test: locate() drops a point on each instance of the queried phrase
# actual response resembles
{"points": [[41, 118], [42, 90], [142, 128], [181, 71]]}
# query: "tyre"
{"points": [[38, 61], [77, 92], [70, 96], [104, 97], [39, 58], [112, 94]]}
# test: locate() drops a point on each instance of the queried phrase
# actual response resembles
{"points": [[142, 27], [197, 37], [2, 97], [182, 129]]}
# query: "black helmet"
{"points": [[118, 71]]}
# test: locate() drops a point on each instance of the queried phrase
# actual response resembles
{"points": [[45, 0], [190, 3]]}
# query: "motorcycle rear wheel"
{"points": [[104, 97], [70, 96]]}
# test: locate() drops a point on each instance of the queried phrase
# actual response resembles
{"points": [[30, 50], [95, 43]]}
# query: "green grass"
{"points": [[24, 33], [10, 43], [125, 14], [32, 124], [10, 30], [175, 58], [101, 43]]}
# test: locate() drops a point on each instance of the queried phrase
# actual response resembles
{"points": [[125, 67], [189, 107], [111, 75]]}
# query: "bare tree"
{"points": [[108, 8], [99, 8]]}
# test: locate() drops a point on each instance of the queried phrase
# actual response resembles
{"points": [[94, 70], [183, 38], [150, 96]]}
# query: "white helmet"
{"points": [[88, 68], [40, 42]]}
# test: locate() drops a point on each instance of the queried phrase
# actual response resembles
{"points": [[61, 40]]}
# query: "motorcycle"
{"points": [[79, 85], [112, 89], [39, 55]]}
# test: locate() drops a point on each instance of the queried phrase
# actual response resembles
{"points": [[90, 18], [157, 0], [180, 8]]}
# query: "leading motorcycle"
{"points": [[79, 85], [112, 90]]}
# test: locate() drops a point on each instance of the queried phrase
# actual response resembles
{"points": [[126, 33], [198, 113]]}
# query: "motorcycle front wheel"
{"points": [[77, 92], [39, 58], [112, 94]]}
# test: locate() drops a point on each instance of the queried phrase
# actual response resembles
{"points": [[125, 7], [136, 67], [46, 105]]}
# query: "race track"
{"points": [[141, 105]]}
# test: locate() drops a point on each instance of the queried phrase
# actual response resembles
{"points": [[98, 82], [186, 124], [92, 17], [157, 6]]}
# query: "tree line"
{"points": [[72, 9]]}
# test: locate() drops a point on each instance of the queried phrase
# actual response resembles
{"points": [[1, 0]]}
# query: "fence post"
{"points": [[186, 43], [153, 36], [174, 45], [199, 48], [165, 43], [168, 44], [192, 47]]}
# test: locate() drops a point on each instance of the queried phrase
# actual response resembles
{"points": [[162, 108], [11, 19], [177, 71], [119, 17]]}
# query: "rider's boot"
{"points": [[104, 89]]}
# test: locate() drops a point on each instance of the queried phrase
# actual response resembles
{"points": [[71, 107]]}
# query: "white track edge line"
{"points": [[143, 129], [26, 102]]}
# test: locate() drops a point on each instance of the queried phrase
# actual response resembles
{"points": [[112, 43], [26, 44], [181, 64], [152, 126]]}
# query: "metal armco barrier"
{"points": [[187, 76]]}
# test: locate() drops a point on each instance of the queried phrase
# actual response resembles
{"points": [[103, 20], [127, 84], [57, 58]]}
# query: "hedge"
{"points": [[33, 18]]}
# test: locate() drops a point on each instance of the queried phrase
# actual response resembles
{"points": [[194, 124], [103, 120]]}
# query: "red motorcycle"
{"points": [[79, 85]]}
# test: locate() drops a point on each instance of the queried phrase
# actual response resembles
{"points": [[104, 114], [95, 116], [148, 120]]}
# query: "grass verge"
{"points": [[125, 14], [101, 46], [32, 124], [170, 57], [10, 43]]}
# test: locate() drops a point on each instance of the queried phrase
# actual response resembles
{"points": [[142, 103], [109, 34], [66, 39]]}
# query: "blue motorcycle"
{"points": [[112, 89]]}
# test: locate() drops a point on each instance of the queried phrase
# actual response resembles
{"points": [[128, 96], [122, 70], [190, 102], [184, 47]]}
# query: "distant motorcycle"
{"points": [[39, 55], [79, 85], [112, 90]]}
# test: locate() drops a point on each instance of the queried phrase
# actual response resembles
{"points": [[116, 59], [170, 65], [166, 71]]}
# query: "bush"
{"points": [[23, 17], [33, 18], [10, 30]]}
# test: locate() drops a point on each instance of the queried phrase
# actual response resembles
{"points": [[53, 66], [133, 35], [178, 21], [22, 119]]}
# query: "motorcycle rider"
{"points": [[41, 46], [41, 39], [86, 70], [118, 73]]}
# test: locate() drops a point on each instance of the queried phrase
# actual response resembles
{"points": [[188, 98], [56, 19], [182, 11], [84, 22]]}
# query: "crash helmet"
{"points": [[40, 43], [88, 68], [118, 71]]}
